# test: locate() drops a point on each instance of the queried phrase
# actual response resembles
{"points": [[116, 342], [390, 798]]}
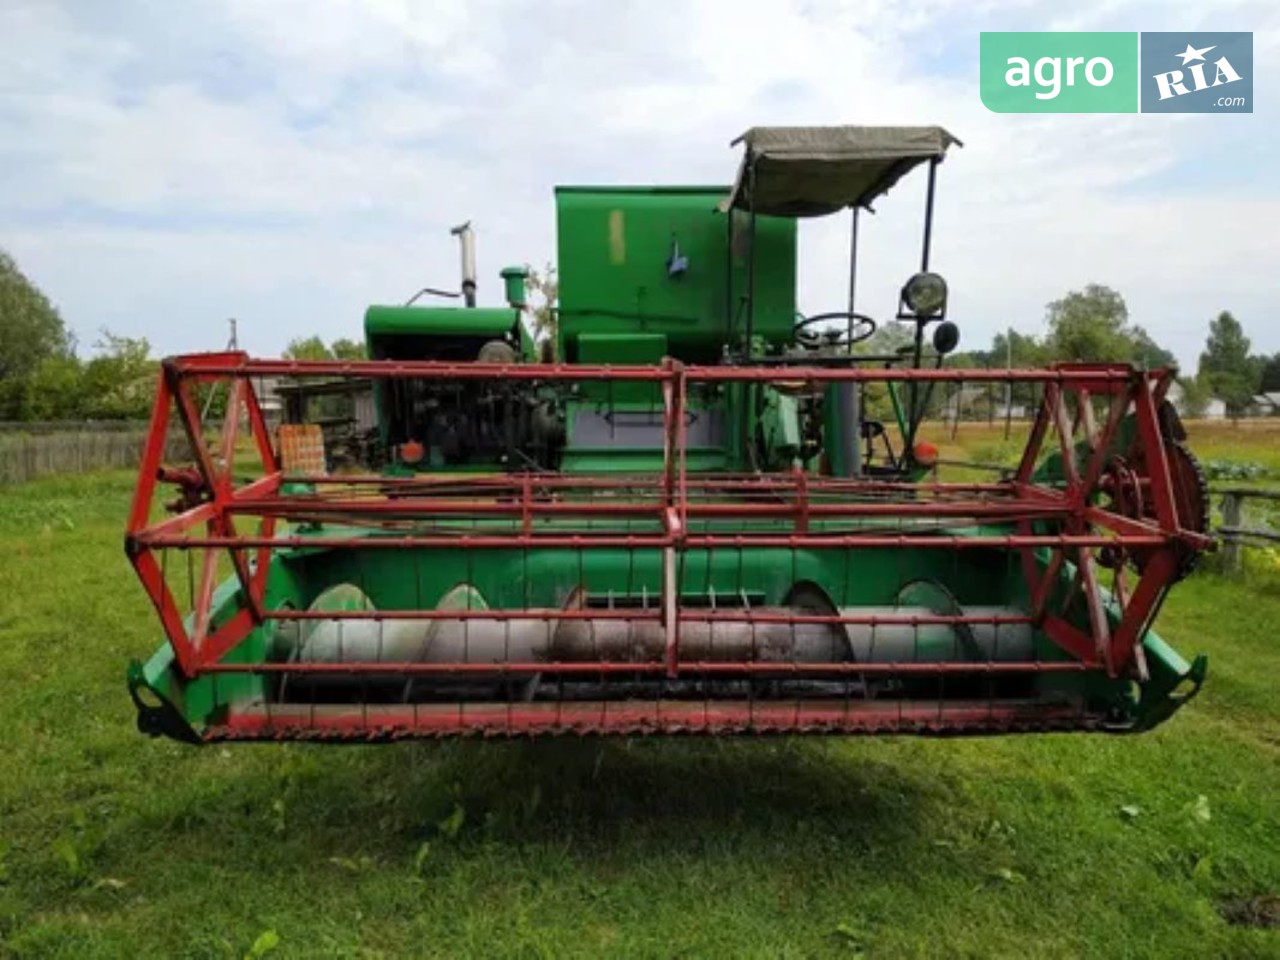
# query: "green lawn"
{"points": [[112, 844]]}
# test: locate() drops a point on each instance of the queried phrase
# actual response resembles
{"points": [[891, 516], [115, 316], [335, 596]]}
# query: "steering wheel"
{"points": [[863, 327]]}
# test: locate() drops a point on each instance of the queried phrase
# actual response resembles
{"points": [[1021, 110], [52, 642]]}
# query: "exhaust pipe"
{"points": [[467, 239]]}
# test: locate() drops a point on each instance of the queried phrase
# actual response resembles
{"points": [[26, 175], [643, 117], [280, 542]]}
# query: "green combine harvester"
{"points": [[692, 509]]}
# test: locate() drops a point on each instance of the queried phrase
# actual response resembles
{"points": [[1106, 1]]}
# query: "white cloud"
{"points": [[288, 163]]}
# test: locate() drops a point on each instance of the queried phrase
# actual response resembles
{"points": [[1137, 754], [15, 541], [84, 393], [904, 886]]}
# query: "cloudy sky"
{"points": [[164, 166]]}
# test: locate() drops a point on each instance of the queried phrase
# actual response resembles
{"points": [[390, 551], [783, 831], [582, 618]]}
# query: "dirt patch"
{"points": [[1261, 911]]}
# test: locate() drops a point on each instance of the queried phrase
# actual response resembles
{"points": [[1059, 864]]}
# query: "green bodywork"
{"points": [[657, 261], [390, 331]]}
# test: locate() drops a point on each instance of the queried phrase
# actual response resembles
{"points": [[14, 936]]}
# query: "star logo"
{"points": [[1191, 53], [1213, 74]]}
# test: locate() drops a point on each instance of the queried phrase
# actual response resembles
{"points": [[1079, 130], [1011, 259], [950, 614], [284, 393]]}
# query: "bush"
{"points": [[1234, 470]]}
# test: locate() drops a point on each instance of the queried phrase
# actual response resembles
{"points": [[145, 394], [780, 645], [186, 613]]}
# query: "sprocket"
{"points": [[1126, 482]]}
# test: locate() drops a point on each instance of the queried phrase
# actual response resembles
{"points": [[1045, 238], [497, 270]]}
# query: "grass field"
{"points": [[1253, 441], [112, 844]]}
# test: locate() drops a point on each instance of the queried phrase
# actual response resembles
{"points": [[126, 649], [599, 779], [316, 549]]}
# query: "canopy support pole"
{"points": [[928, 216], [853, 273], [751, 257], [914, 413], [749, 393]]}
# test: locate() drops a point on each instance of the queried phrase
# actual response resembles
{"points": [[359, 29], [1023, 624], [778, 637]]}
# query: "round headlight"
{"points": [[925, 294]]}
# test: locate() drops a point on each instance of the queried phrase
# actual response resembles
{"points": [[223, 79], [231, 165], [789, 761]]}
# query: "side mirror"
{"points": [[946, 337]]}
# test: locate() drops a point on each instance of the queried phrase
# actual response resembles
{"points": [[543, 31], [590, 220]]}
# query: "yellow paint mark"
{"points": [[617, 237]]}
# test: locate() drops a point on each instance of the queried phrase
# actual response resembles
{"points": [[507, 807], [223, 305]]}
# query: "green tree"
{"points": [[1149, 353], [307, 348], [1196, 394], [31, 331], [56, 390], [1270, 378], [345, 349], [1227, 366], [1018, 351], [1093, 324], [120, 381], [546, 284], [1090, 324], [888, 339]]}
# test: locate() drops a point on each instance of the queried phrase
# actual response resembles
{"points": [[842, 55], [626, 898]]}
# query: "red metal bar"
{"points": [[1044, 582], [1066, 447], [801, 507], [526, 507], [1102, 447], [258, 428], [203, 607], [266, 530], [1035, 441], [513, 483], [152, 458], [230, 429], [226, 637], [1069, 637], [1126, 526], [189, 416], [1093, 601], [1143, 603], [628, 614], [1155, 456], [189, 649], [217, 483], [462, 540], [1102, 378], [982, 542], [161, 597], [670, 440], [1078, 495], [682, 451], [206, 511], [694, 542], [222, 494]]}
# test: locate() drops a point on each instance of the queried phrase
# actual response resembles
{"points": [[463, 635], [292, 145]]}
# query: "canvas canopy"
{"points": [[813, 171]]}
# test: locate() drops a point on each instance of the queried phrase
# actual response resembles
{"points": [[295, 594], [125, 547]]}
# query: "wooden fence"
{"points": [[75, 448], [1236, 534]]}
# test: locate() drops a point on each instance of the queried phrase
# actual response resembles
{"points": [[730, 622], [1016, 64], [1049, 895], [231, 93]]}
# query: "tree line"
{"points": [[43, 377], [1094, 324]]}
